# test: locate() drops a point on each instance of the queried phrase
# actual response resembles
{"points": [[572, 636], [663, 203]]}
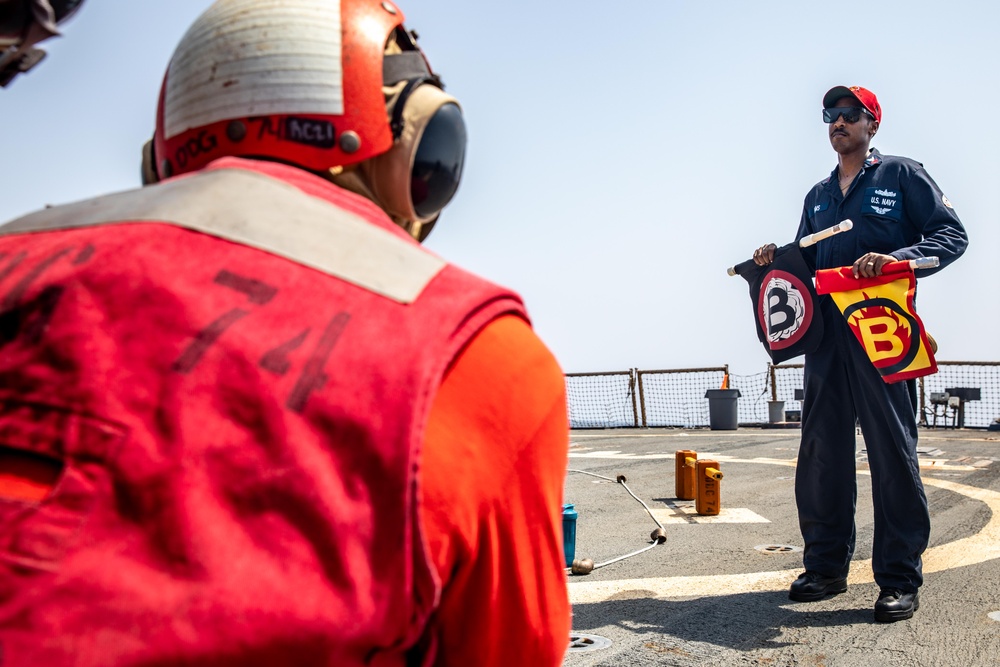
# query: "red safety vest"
{"points": [[234, 368]]}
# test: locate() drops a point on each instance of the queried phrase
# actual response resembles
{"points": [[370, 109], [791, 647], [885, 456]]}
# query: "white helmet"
{"points": [[338, 87]]}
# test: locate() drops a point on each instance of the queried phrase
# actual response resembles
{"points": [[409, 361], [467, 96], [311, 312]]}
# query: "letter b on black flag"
{"points": [[784, 304]]}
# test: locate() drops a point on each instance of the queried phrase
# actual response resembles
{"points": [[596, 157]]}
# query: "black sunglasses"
{"points": [[850, 114]]}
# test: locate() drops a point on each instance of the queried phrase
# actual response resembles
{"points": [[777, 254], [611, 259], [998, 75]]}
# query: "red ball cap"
{"points": [[863, 95]]}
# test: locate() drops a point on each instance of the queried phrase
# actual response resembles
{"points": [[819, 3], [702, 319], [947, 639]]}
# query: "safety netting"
{"points": [[755, 391], [602, 400], [974, 390], [787, 386], [676, 397]]}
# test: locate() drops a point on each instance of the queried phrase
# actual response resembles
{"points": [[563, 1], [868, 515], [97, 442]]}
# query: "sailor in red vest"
{"points": [[25, 23], [245, 418]]}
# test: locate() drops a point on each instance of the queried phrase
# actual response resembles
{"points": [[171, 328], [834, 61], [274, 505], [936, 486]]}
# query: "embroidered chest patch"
{"points": [[883, 202], [818, 208]]}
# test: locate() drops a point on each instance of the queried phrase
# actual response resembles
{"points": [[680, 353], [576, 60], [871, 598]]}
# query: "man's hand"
{"points": [[764, 255], [870, 264]]}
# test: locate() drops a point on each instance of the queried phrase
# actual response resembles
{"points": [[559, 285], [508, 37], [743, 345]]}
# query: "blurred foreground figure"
{"points": [[24, 23], [245, 418]]}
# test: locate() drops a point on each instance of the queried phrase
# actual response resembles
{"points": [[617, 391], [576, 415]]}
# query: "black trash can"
{"points": [[722, 409]]}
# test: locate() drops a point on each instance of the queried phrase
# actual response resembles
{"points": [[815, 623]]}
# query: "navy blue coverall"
{"points": [[898, 210]]}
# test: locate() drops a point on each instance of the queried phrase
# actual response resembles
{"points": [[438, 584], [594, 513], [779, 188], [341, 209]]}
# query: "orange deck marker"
{"points": [[709, 488], [684, 473]]}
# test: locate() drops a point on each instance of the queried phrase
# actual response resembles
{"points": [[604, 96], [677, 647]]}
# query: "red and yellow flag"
{"points": [[881, 314]]}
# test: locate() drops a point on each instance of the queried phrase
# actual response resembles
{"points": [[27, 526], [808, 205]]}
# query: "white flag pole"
{"points": [[842, 226], [806, 241]]}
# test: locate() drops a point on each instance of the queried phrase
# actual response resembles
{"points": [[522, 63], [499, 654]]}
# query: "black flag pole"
{"points": [[804, 242]]}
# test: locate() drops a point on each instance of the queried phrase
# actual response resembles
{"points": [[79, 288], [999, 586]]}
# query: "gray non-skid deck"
{"points": [[715, 593]]}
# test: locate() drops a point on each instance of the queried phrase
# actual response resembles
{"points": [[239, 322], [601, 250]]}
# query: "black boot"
{"points": [[895, 605], [812, 586]]}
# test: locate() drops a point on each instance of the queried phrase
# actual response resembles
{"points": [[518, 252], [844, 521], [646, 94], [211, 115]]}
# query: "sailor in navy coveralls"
{"points": [[898, 213]]}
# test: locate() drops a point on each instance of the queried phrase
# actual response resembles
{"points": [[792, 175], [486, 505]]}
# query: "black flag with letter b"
{"points": [[784, 304]]}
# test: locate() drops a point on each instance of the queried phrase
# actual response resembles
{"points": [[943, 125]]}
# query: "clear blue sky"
{"points": [[621, 155]]}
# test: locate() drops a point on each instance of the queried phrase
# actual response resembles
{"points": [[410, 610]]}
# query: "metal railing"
{"points": [[676, 397]]}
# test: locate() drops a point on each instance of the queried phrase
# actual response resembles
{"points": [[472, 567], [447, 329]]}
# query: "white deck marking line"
{"points": [[938, 438], [687, 434], [764, 433], [679, 515], [978, 548], [583, 453]]}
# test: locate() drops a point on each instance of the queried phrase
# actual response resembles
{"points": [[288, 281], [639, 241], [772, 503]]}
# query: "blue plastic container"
{"points": [[569, 533]]}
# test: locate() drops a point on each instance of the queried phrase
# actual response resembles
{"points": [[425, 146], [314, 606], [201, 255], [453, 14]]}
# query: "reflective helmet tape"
{"points": [[271, 60]]}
